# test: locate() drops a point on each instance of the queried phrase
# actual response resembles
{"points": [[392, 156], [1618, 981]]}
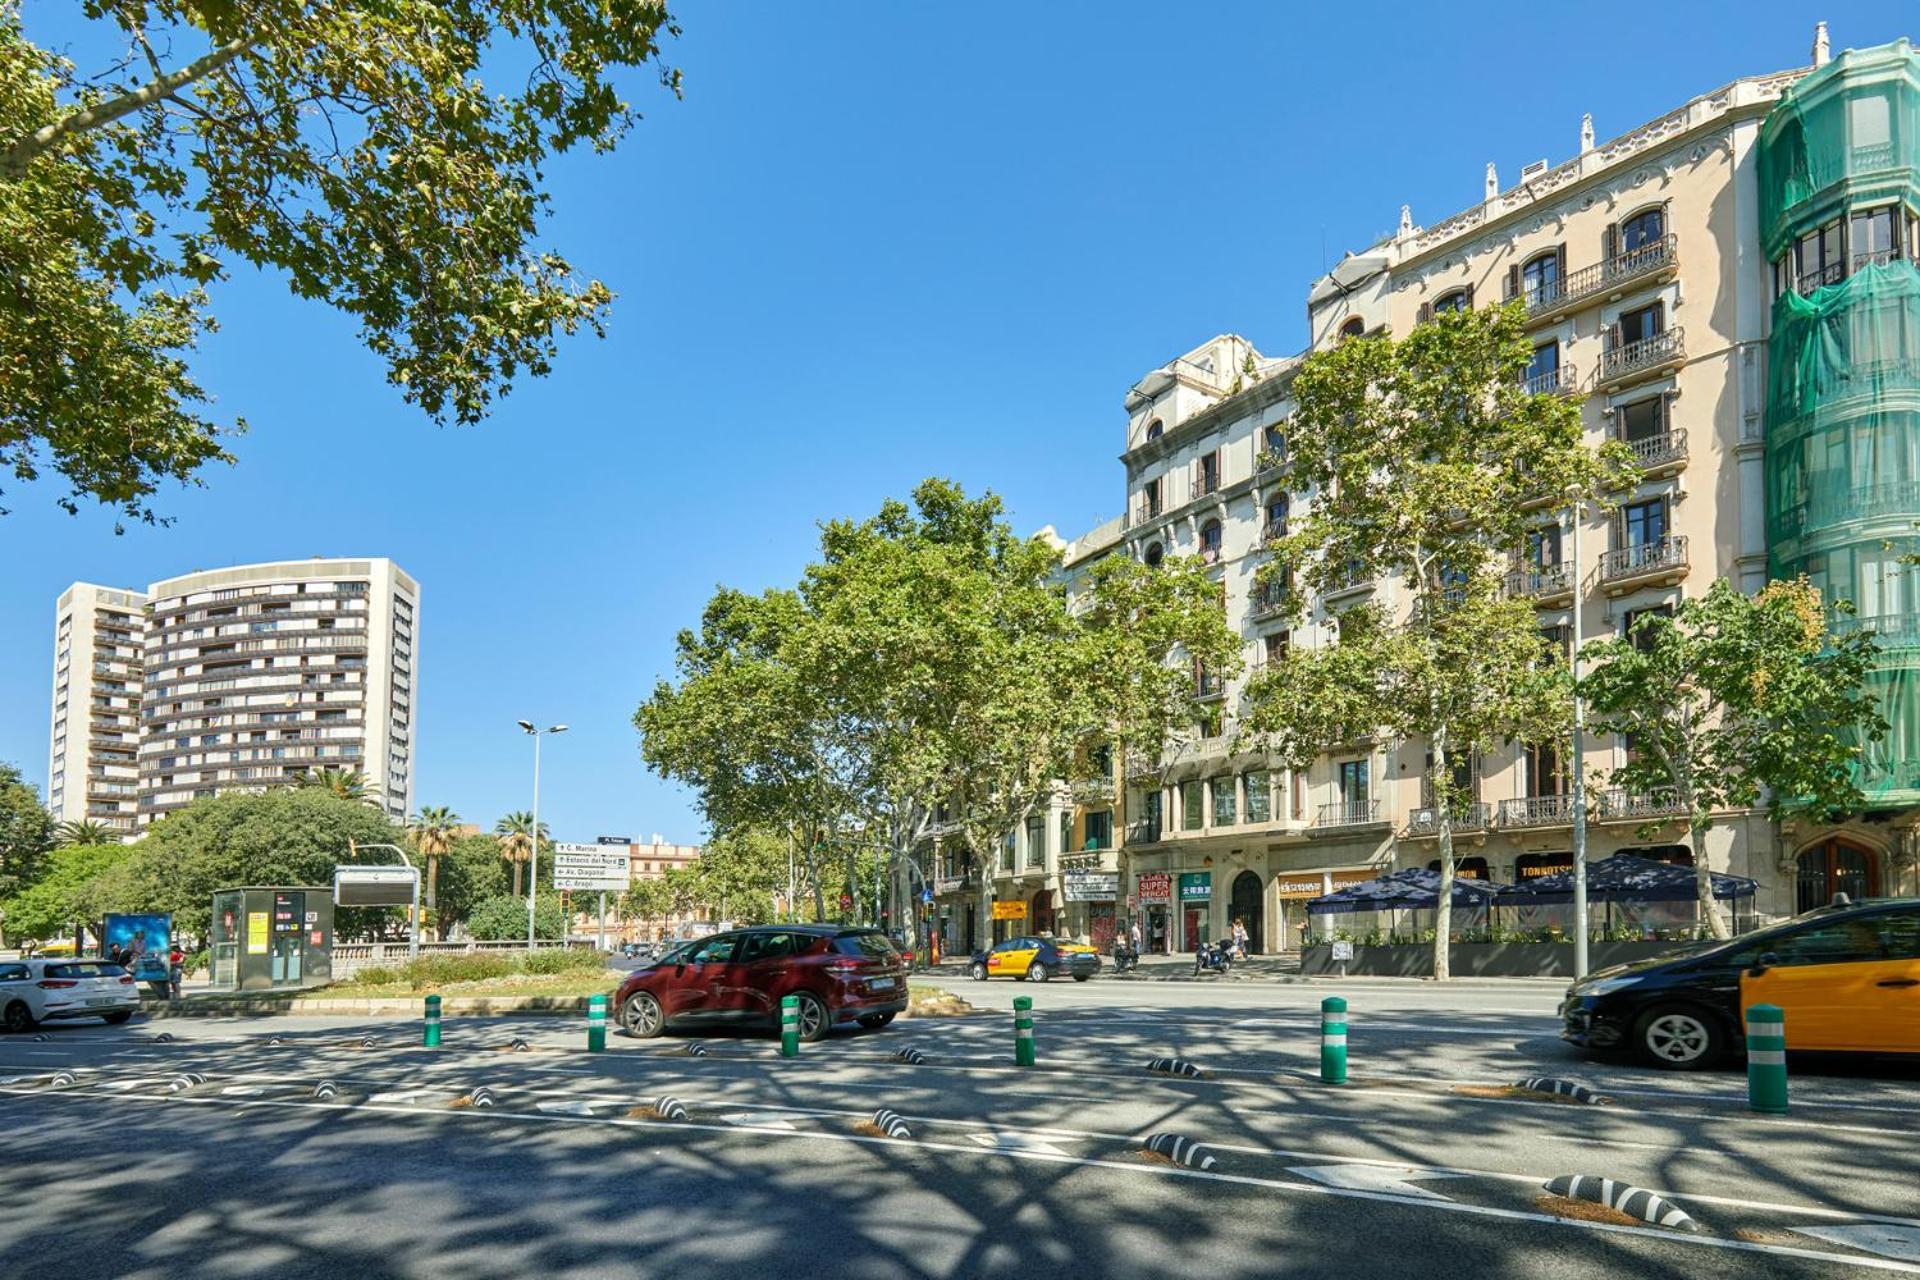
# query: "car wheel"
{"points": [[1081, 977], [115, 1019], [1679, 1038], [875, 1021], [813, 1017], [17, 1017], [977, 972], [642, 1017], [1037, 972]]}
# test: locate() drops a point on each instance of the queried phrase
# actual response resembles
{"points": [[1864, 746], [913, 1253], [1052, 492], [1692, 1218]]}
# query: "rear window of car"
{"points": [[71, 970], [877, 945]]}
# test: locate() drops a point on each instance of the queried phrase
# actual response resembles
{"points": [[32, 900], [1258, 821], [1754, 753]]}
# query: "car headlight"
{"points": [[1605, 986]]}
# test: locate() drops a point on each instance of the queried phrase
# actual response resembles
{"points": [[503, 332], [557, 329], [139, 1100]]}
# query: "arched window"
{"points": [[1643, 229], [1831, 867], [1353, 328], [1540, 278], [1154, 429], [1455, 301], [1210, 542], [1154, 556]]}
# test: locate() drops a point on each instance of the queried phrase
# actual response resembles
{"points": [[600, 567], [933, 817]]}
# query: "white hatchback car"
{"points": [[41, 990]]}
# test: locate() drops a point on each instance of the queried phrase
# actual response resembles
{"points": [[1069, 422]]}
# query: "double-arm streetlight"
{"points": [[533, 854]]}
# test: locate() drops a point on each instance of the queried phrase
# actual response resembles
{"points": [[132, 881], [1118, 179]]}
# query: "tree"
{"points": [[347, 784], [515, 834], [355, 149], [83, 832], [26, 832], [1427, 460], [470, 871], [503, 917], [66, 893], [433, 830], [1735, 698]]}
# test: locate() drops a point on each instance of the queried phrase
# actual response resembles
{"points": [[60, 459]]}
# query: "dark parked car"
{"points": [[839, 976], [1847, 979]]}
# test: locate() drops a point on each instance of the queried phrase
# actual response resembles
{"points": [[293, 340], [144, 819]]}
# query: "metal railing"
{"points": [[1658, 556], [1830, 273], [1145, 831], [1540, 580], [1562, 380], [1661, 447], [1651, 257], [1874, 258], [1619, 805], [1425, 821], [1353, 578], [1537, 811], [1648, 353], [1272, 531], [1264, 604], [1205, 484], [1348, 813]]}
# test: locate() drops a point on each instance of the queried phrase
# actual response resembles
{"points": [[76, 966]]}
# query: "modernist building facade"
{"points": [[1665, 275], [243, 678], [93, 769]]}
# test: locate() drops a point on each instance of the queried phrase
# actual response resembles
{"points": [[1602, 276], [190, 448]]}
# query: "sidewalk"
{"points": [[1280, 969]]}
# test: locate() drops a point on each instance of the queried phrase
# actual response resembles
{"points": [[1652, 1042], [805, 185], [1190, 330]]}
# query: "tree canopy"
{"points": [[369, 154], [26, 831]]}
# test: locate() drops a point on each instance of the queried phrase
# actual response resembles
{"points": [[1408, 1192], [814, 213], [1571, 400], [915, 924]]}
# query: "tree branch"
{"points": [[17, 157]]}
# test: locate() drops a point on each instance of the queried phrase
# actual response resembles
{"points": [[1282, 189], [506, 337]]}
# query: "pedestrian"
{"points": [[176, 970], [1240, 938], [1133, 935]]}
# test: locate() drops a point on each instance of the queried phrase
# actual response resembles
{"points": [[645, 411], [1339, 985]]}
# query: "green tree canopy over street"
{"points": [[386, 159], [26, 831], [1429, 465], [75, 886], [1737, 698]]}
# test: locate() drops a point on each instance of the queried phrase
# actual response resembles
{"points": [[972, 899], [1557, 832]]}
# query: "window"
{"points": [[1545, 774], [1543, 547], [1155, 554], [1458, 300], [1150, 498], [1540, 279], [1643, 524], [1276, 646], [1192, 802], [1100, 829], [868, 942], [1817, 258], [1870, 239], [1226, 806], [1036, 842], [14, 973], [1276, 526], [1643, 637], [1273, 441], [1642, 419], [768, 946], [1155, 430], [1854, 941], [1208, 480], [1066, 835], [1210, 534], [1351, 779], [1643, 229], [1543, 371], [1259, 795], [1353, 328], [715, 950], [1463, 787], [1639, 324]]}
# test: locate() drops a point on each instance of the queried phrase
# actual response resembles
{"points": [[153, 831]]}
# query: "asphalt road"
{"points": [[1417, 1167]]}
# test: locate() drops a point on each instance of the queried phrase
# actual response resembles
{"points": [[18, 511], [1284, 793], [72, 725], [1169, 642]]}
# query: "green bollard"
{"points": [[1333, 1040], [1023, 1031], [597, 1024], [1767, 1060], [789, 1026], [431, 1036]]}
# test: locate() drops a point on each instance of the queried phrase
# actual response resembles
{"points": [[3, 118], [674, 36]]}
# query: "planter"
{"points": [[1480, 959]]}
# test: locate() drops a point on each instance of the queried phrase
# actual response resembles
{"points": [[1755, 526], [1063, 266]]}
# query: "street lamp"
{"points": [[1577, 509], [533, 854]]}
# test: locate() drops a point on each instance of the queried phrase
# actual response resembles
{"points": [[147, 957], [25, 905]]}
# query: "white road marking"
{"points": [[1015, 1143], [1368, 1176], [400, 1095], [1889, 1240], [759, 1120], [565, 1106]]}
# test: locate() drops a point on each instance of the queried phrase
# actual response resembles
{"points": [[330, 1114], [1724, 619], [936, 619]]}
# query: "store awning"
{"points": [[1413, 889], [1626, 878]]}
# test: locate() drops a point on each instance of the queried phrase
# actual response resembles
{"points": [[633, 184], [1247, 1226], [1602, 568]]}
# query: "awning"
{"points": [[1413, 889], [1626, 877]]}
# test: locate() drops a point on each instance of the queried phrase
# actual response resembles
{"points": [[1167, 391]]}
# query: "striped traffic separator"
{"points": [[668, 1107], [1564, 1089], [890, 1123], [481, 1097], [1635, 1202], [1767, 1059], [1175, 1067], [63, 1080], [1180, 1150], [517, 1045], [184, 1081], [910, 1056], [695, 1049], [326, 1090], [1333, 1040], [1023, 1055]]}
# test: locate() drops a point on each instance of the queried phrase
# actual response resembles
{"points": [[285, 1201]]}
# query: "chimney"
{"points": [[1493, 181], [1586, 133], [1822, 52]]}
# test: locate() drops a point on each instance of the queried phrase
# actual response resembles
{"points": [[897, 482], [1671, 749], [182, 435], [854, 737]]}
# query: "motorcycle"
{"points": [[1211, 958], [1124, 958]]}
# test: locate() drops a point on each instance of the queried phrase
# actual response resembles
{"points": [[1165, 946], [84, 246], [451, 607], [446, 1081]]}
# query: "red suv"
{"points": [[839, 975]]}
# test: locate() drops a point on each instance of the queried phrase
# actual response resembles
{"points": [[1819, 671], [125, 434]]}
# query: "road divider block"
{"points": [[326, 1090], [1564, 1089], [517, 1045], [368, 1042], [184, 1081], [274, 1042], [42, 1036], [668, 1107], [1333, 1040], [481, 1097], [695, 1049], [891, 1124], [1175, 1067], [1623, 1197], [1767, 1060], [1182, 1151], [1023, 1055], [912, 1057], [789, 1026], [63, 1080]]}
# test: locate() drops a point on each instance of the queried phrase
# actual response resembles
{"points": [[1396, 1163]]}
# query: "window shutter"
{"points": [[1426, 312], [1610, 243], [1513, 281], [1613, 337], [1560, 266], [1469, 297]]}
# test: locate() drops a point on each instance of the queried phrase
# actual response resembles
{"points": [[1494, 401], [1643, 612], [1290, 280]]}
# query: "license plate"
{"points": [[881, 984], [108, 1000]]}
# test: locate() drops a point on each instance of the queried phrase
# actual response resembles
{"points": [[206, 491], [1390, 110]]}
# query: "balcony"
{"points": [[1424, 822], [1630, 806], [1544, 584], [1537, 811], [1092, 790], [1211, 689], [1653, 260], [1561, 381], [1348, 815], [1144, 513], [1205, 485], [1660, 454], [1663, 560], [1145, 831], [1633, 361], [1267, 603], [1272, 531], [1353, 582]]}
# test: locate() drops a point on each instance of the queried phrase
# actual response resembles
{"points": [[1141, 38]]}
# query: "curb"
{"points": [[398, 1006]]}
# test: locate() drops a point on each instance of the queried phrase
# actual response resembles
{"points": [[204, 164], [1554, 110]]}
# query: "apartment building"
{"points": [[240, 679], [93, 770], [1732, 289]]}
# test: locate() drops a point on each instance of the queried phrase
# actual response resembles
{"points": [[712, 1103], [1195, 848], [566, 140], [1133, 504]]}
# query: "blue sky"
{"points": [[873, 243]]}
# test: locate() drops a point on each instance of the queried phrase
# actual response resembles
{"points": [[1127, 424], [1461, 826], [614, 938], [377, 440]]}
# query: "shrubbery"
{"points": [[479, 966]]}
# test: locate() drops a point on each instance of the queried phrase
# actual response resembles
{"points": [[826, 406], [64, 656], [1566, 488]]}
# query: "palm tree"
{"points": [[515, 833], [433, 830], [348, 784], [84, 832]]}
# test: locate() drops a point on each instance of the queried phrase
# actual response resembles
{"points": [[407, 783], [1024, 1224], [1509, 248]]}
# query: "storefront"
{"points": [[1196, 909], [1293, 889], [1092, 898], [1155, 893], [1045, 919], [1009, 919]]}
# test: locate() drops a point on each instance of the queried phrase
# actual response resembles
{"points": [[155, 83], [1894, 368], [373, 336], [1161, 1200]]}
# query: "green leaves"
{"points": [[355, 150]]}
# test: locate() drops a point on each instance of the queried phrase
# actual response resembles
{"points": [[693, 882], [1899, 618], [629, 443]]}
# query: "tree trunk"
{"points": [[516, 877], [1438, 783], [1706, 911]]}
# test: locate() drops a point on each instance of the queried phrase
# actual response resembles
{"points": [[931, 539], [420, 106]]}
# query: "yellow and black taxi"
{"points": [[1846, 977], [1036, 960]]}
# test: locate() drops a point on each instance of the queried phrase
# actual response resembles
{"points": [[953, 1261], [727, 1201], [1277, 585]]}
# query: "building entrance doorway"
{"points": [[1834, 866], [1244, 904]]}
